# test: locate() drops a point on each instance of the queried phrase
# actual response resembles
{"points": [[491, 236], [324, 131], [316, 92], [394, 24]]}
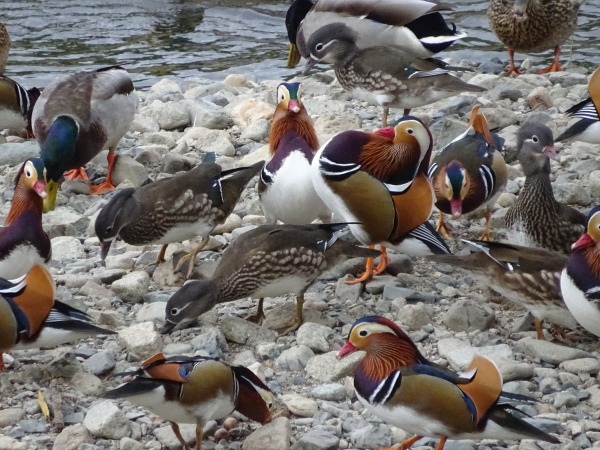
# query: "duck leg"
{"points": [[75, 174], [384, 119], [259, 317], [178, 435], [2, 368], [107, 185], [540, 329], [191, 256], [384, 259], [442, 443], [554, 67], [486, 234], [404, 445], [367, 274], [295, 323], [160, 258], [512, 69], [199, 433], [443, 228]]}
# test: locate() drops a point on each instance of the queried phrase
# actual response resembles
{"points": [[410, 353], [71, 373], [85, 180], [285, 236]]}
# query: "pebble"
{"points": [[141, 340], [132, 287], [550, 352], [314, 336], [468, 315], [71, 437], [272, 436], [105, 420], [300, 405]]}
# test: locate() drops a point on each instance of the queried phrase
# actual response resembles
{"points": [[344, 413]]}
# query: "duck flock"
{"points": [[142, 227]]}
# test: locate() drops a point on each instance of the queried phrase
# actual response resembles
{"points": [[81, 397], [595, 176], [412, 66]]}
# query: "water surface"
{"points": [[211, 38]]}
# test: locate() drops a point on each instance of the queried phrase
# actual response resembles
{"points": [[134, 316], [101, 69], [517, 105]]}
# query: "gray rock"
{"points": [[130, 444], [460, 353], [242, 331], [549, 352], [468, 315], [128, 169], [583, 365], [11, 416], [132, 287], [347, 293], [13, 154], [572, 194], [565, 399], [314, 336], [318, 438], [173, 163], [141, 339], [144, 124], [327, 367], [67, 247], [169, 116], [210, 341], [272, 436], [413, 317], [100, 363], [152, 312], [87, 383], [294, 358], [168, 439], [105, 420], [372, 436], [8, 443], [331, 392], [71, 437], [300, 405], [257, 131]]}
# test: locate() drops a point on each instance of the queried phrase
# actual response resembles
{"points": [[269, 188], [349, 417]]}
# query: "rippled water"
{"points": [[155, 38]]}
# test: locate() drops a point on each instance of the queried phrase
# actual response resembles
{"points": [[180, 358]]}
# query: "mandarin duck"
{"points": [[268, 261], [469, 173], [195, 389], [4, 47], [532, 26], [16, 105], [285, 187], [529, 277], [378, 183], [536, 215], [396, 383], [415, 27], [174, 209], [31, 318], [580, 279], [294, 16], [587, 129], [79, 115], [382, 75], [23, 241]]}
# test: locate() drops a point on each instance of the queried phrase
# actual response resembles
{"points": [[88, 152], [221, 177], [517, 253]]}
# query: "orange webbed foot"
{"points": [[383, 262], [102, 188], [76, 174]]}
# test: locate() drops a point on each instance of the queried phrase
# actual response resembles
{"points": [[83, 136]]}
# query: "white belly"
{"points": [[290, 284], [591, 134], [586, 313], [11, 120], [20, 261], [186, 231]]}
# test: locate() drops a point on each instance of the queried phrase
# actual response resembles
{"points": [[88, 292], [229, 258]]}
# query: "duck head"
{"points": [[194, 299]]}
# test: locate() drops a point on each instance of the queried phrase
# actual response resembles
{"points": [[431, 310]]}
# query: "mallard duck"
{"points": [[532, 26], [580, 279], [295, 14], [195, 389], [469, 173], [23, 241], [587, 129], [79, 115], [268, 261], [285, 187], [396, 383], [174, 209], [378, 183], [535, 214], [4, 47]]}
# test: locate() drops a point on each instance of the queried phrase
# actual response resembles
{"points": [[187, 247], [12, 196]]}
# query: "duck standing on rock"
{"points": [[580, 279], [378, 183], [174, 209], [536, 215], [396, 383], [532, 26], [469, 172], [195, 390], [268, 261], [23, 241], [285, 187], [31, 318], [79, 115], [587, 129]]}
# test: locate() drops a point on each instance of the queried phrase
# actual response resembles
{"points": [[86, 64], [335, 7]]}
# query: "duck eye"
{"points": [[363, 333], [174, 311], [28, 173], [410, 131], [319, 47], [535, 139]]}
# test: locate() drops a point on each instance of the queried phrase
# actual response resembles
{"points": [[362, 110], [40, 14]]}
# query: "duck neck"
{"points": [[539, 188], [388, 353], [299, 123], [59, 147], [24, 199]]}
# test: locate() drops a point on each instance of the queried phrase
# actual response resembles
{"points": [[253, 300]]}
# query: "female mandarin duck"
{"points": [[23, 241], [268, 261], [379, 185], [31, 318], [396, 383], [4, 47], [587, 129], [537, 217], [529, 277], [174, 209], [580, 279], [469, 172], [533, 26], [195, 390], [294, 16], [285, 187], [79, 115], [415, 27]]}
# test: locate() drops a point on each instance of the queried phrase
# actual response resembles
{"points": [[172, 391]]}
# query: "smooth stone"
{"points": [[206, 114], [242, 331], [314, 336], [550, 352], [168, 439], [257, 131], [331, 392], [272, 436], [372, 436], [318, 438], [128, 169], [583, 365], [459, 353], [11, 416], [468, 315], [413, 317], [347, 293], [130, 444], [67, 247], [13, 154], [141, 339], [87, 383], [132, 287], [294, 358], [300, 405], [327, 367], [106, 420], [71, 437], [100, 363], [8, 443], [210, 341]]}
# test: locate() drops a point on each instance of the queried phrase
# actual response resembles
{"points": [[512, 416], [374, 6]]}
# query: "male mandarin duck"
{"points": [[31, 318], [529, 277], [79, 115], [469, 173], [294, 16], [536, 215], [379, 185], [174, 209], [580, 279], [587, 129], [532, 26], [268, 261], [195, 389], [399, 385], [383, 75], [415, 27], [23, 241], [285, 187], [16, 105], [4, 47]]}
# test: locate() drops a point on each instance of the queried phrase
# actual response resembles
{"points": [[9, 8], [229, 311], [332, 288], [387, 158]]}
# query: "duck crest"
{"points": [[37, 299]]}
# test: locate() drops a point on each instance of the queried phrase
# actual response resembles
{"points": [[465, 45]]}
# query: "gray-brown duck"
{"points": [[536, 213]]}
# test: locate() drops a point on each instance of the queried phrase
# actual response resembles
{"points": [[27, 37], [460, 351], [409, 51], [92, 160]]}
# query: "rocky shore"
{"points": [[443, 309]]}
